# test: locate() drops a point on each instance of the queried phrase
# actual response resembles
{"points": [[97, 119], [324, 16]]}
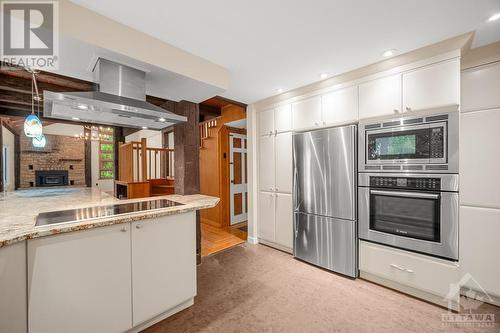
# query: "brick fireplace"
{"points": [[61, 162]]}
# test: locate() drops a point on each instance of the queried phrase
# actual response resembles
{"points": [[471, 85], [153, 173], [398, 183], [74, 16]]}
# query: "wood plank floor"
{"points": [[215, 239]]}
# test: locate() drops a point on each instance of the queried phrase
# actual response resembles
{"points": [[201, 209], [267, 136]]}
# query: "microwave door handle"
{"points": [[406, 194]]}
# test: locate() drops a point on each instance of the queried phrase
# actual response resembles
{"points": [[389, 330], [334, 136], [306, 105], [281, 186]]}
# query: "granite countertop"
{"points": [[19, 209]]}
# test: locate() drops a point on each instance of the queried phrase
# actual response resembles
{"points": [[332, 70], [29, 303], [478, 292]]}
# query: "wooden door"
{"points": [[238, 175]]}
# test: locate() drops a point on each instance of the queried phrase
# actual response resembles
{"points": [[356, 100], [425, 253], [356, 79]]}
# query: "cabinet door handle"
{"points": [[396, 111], [270, 133], [275, 132], [316, 124], [408, 108], [397, 267], [123, 229], [139, 226], [276, 189]]}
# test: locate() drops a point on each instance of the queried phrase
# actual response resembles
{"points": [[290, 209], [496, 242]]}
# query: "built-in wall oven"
{"points": [[411, 144], [414, 212], [408, 183]]}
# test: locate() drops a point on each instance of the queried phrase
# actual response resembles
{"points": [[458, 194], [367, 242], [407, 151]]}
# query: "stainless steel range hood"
{"points": [[120, 101]]}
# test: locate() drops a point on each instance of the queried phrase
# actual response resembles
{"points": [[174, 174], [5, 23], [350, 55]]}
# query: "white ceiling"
{"points": [[270, 44]]}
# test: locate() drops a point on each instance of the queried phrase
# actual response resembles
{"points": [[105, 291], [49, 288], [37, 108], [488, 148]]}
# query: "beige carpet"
{"points": [[253, 288]]}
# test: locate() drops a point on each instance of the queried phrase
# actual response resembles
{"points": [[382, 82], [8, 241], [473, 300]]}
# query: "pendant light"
{"points": [[32, 124], [39, 142]]}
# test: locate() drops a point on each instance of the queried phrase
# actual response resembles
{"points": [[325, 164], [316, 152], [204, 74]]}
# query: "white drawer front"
{"points": [[414, 270]]}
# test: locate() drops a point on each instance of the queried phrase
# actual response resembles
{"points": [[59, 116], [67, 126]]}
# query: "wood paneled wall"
{"points": [[214, 167]]}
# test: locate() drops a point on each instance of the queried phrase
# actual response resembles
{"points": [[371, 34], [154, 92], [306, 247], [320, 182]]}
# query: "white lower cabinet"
{"points": [[276, 219], [163, 264], [284, 220], [479, 249], [422, 276], [13, 307], [266, 227], [80, 282]]}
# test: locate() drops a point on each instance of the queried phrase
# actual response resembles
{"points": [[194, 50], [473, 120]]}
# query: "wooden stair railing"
{"points": [[139, 163], [207, 129]]}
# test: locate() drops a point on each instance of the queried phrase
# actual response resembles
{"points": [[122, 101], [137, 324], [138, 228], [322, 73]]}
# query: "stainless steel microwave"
{"points": [[410, 144]]}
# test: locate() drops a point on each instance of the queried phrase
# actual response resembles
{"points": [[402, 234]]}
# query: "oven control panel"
{"points": [[406, 182]]}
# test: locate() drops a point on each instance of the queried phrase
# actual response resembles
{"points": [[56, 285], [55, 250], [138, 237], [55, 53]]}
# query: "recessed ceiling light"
{"points": [[389, 53], [323, 76], [162, 119], [279, 90], [494, 17], [144, 127], [75, 118]]}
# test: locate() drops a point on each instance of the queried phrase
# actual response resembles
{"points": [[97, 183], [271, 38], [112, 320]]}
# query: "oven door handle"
{"points": [[406, 194]]}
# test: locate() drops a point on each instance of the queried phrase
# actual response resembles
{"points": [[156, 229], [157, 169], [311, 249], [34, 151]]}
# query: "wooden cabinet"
{"points": [[380, 97], [479, 248], [284, 163], [80, 281], [429, 277], [163, 264], [480, 88], [13, 306], [266, 227], [275, 120], [266, 163], [307, 113], [432, 86], [479, 176], [284, 220], [266, 122], [340, 106]]}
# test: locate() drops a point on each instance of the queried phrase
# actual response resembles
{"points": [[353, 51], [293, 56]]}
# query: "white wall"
{"points": [[8, 141], [63, 129], [153, 138]]}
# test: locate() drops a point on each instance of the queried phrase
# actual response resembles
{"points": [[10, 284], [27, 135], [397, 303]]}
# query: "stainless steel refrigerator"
{"points": [[324, 189]]}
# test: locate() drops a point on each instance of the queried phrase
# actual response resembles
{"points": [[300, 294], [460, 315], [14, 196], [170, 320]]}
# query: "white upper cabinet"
{"points": [[340, 106], [284, 163], [380, 97], [432, 86], [479, 177], [283, 118], [481, 88], [266, 122], [266, 163], [307, 113]]}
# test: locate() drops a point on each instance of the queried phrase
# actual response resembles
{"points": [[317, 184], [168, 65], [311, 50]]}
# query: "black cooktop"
{"points": [[89, 213]]}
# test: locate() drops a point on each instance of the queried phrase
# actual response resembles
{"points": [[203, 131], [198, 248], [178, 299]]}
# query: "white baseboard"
{"points": [[162, 316], [276, 246], [491, 299], [253, 240]]}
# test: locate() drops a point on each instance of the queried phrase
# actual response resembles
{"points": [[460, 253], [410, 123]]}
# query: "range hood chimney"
{"points": [[120, 101]]}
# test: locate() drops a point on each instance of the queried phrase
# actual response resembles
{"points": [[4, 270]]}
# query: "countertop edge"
{"points": [[33, 233]]}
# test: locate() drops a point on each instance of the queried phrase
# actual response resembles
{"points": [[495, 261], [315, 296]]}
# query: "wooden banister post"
{"points": [[144, 158]]}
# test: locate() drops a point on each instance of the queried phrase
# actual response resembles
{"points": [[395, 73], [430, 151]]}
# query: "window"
{"points": [[106, 153]]}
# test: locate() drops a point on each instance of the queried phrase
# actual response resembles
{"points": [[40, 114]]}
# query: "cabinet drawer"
{"points": [[428, 274]]}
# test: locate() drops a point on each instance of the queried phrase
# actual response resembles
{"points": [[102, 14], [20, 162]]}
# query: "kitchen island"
{"points": [[111, 274]]}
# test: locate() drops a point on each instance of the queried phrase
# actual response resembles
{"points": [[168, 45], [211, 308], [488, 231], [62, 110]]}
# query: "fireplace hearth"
{"points": [[46, 178]]}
